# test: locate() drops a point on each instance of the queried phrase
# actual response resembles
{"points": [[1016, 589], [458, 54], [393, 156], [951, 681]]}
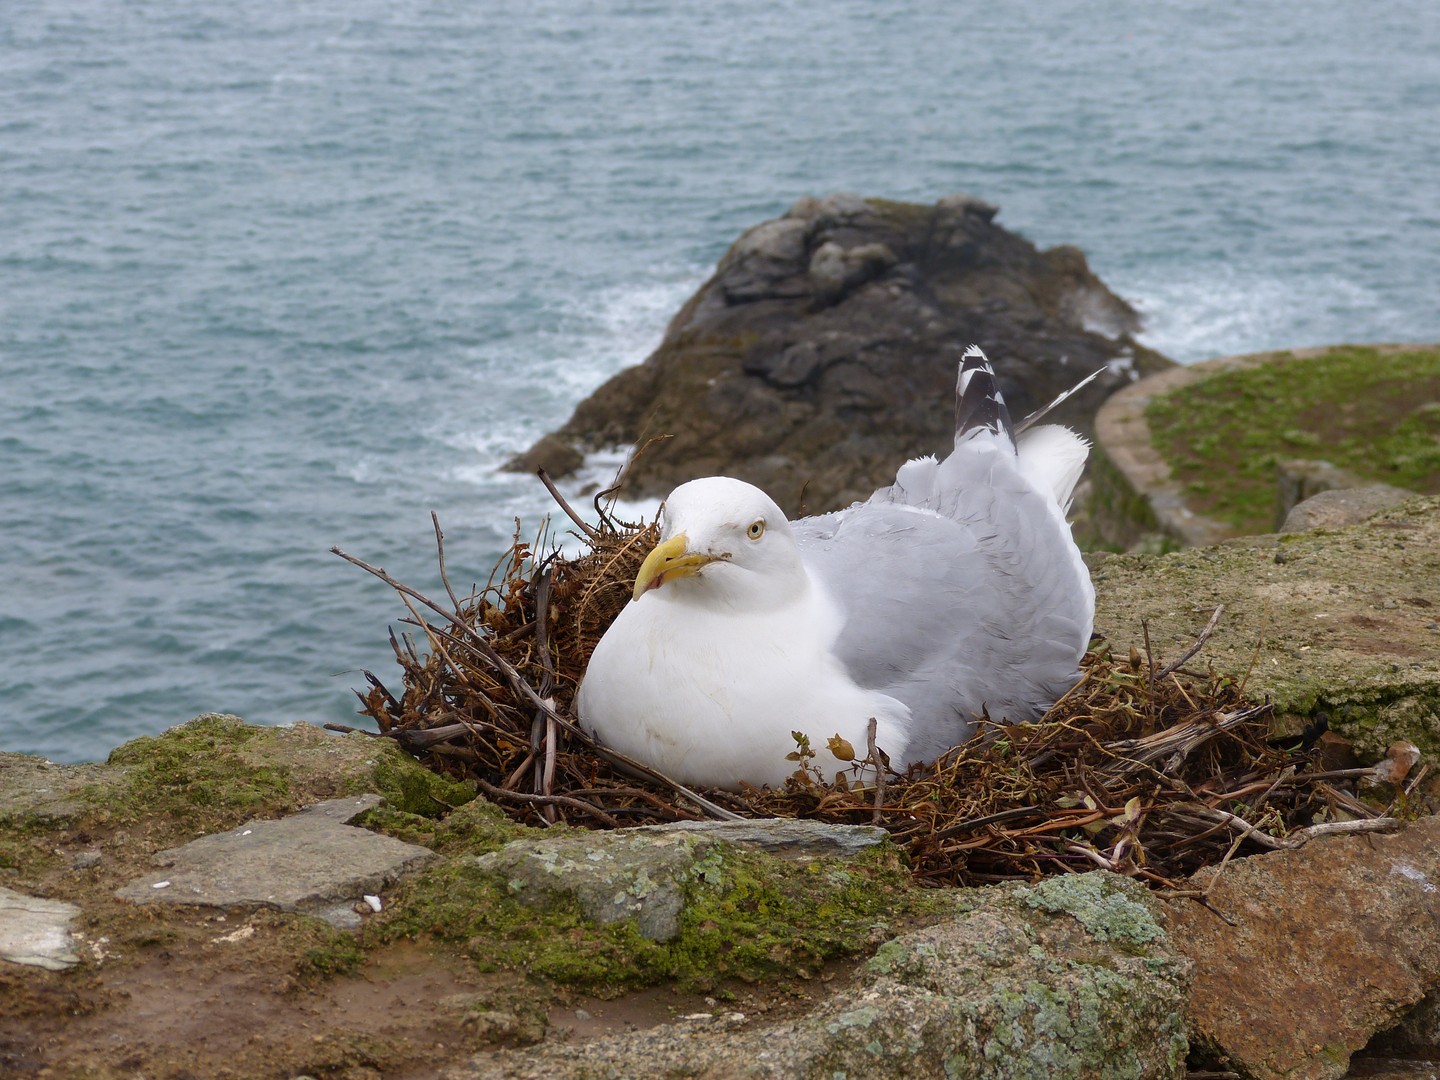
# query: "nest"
{"points": [[1147, 769]]}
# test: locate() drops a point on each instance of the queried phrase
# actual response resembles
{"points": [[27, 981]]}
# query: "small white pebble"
{"points": [[374, 902], [247, 832], [161, 885]]}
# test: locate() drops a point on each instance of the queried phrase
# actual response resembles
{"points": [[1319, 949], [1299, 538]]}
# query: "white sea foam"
{"points": [[1198, 314], [616, 328]]}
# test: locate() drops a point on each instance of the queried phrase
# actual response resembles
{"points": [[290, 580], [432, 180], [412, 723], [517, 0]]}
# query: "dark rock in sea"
{"points": [[822, 353]]}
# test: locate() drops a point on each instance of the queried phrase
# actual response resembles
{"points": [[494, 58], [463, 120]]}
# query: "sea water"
{"points": [[276, 277]]}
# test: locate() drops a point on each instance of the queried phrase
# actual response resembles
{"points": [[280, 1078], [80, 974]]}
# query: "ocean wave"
{"points": [[1196, 314]]}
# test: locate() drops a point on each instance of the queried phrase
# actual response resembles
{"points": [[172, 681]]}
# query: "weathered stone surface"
{"points": [[1336, 508], [311, 861], [36, 932], [789, 838], [1073, 977], [1330, 943], [643, 874], [33, 789], [823, 352], [628, 874], [1344, 624]]}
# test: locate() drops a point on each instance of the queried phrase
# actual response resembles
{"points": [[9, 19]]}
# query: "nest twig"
{"points": [[1147, 769]]}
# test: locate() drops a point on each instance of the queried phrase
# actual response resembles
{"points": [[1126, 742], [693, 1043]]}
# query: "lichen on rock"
{"points": [[1002, 989]]}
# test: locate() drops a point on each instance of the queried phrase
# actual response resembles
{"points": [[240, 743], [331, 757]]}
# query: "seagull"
{"points": [[955, 593]]}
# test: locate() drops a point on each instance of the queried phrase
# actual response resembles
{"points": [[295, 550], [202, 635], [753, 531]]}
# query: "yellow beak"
{"points": [[666, 562]]}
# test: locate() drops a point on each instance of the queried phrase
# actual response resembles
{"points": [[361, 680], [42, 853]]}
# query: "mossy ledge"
{"points": [[752, 927], [745, 915], [217, 770], [1371, 411]]}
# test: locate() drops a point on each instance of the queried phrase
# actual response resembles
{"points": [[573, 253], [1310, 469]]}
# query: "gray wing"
{"points": [[962, 591]]}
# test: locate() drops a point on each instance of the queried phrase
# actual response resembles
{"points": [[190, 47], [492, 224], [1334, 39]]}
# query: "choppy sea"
{"points": [[275, 277]]}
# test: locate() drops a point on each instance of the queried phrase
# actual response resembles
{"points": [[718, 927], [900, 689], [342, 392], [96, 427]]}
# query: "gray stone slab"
{"points": [[312, 861], [625, 874], [36, 932], [786, 837], [643, 873]]}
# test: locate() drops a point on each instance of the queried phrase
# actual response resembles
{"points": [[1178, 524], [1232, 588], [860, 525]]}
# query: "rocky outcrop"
{"points": [[823, 351], [1073, 977]]}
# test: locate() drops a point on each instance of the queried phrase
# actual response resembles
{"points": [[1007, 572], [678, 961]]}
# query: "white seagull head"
{"points": [[724, 543]]}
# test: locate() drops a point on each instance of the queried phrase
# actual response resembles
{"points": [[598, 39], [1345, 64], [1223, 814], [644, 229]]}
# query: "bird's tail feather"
{"points": [[1045, 410], [978, 402], [1052, 458]]}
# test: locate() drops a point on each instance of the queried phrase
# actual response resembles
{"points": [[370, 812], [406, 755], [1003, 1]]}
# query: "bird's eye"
{"points": [[756, 529]]}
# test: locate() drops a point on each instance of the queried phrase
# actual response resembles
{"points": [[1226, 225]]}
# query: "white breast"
{"points": [[712, 697]]}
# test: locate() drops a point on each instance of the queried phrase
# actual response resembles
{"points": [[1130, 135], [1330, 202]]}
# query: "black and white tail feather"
{"points": [[1052, 457], [978, 402]]}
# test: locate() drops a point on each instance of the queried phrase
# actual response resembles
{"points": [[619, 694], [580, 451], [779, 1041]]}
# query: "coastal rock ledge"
{"points": [[822, 352]]}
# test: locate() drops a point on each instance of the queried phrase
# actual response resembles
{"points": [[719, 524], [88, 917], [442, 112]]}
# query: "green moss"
{"points": [[28, 853], [456, 902], [1373, 719], [1361, 409], [752, 914], [195, 770], [474, 828], [747, 915], [338, 954], [217, 770], [411, 788]]}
